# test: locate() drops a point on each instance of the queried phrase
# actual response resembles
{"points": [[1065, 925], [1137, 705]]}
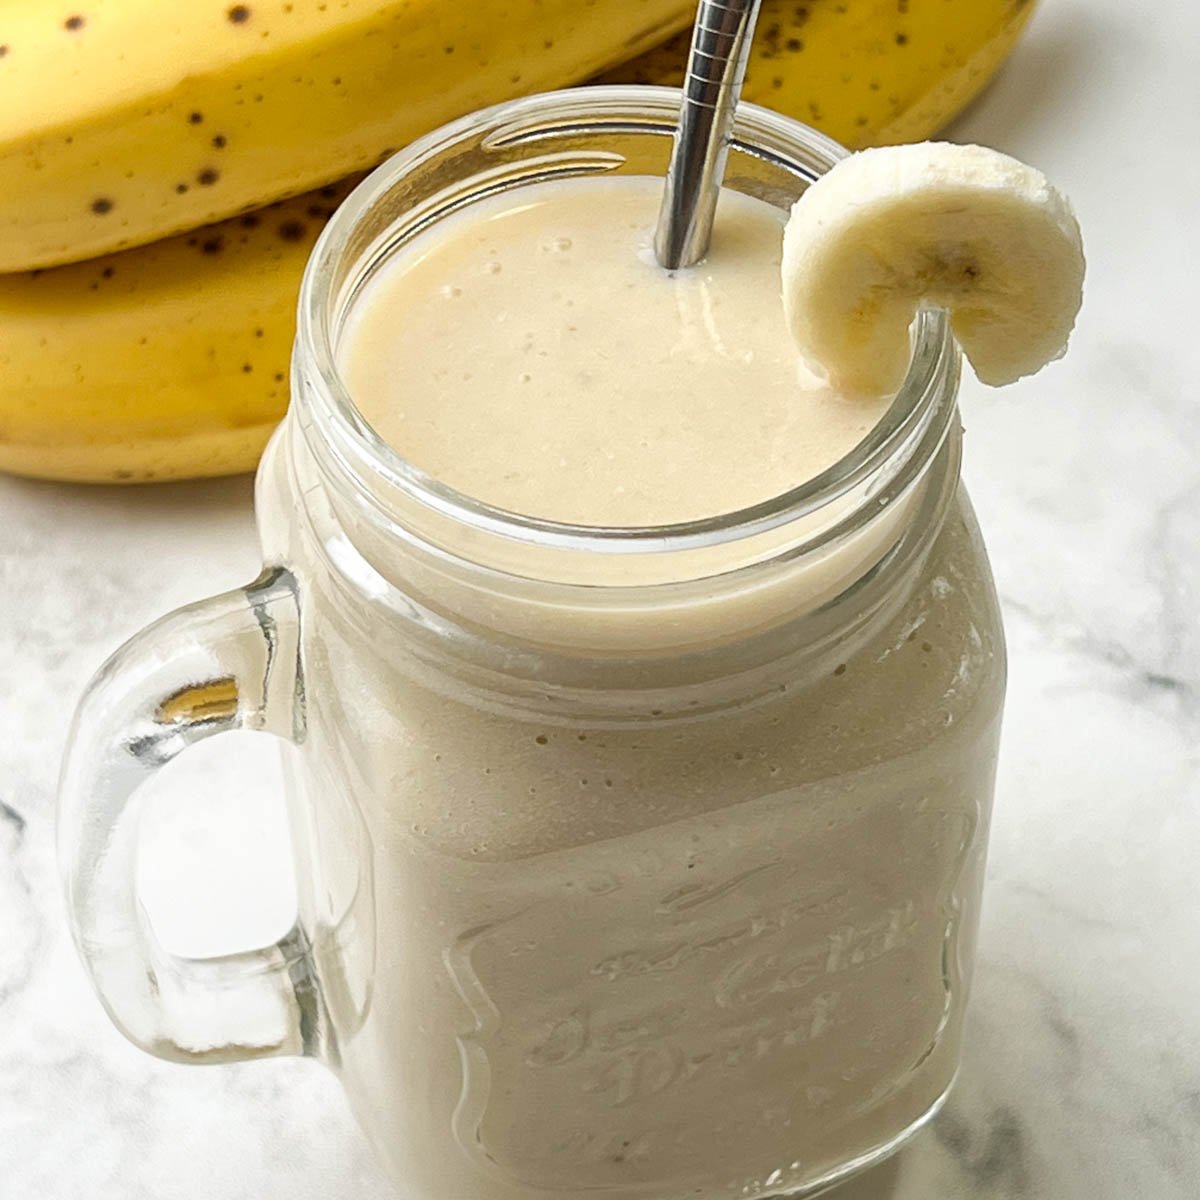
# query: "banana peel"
{"points": [[170, 360], [865, 72], [165, 362], [125, 121]]}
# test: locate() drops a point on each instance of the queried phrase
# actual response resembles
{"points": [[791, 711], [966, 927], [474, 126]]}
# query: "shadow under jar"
{"points": [[633, 862]]}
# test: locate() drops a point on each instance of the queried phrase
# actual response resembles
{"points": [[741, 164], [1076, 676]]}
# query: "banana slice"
{"points": [[961, 227]]}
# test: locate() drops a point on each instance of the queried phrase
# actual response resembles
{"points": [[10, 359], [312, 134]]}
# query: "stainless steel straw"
{"points": [[715, 71]]}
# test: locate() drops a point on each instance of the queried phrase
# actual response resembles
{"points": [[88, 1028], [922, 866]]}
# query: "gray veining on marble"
{"points": [[1082, 1072]]}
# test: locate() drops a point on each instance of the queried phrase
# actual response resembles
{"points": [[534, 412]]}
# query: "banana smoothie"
{"points": [[637, 652], [685, 904]]}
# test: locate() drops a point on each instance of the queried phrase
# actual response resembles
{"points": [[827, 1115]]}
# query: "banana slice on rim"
{"points": [[964, 228]]}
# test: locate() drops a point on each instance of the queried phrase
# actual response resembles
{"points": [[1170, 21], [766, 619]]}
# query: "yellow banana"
{"points": [[866, 72], [170, 360], [167, 361], [123, 121]]}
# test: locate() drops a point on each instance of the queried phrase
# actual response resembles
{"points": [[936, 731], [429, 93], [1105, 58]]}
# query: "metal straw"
{"points": [[715, 71]]}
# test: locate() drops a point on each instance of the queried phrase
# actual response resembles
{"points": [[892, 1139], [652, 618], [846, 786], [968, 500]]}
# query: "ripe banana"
{"points": [[963, 227], [122, 121], [133, 366], [168, 361], [866, 72]]}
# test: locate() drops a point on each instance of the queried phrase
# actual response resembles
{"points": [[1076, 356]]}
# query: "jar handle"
{"points": [[229, 662]]}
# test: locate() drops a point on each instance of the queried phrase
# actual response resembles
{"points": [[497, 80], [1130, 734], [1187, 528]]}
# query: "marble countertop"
{"points": [[1082, 1071]]}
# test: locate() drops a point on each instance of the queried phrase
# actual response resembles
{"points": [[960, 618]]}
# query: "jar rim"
{"points": [[917, 418]]}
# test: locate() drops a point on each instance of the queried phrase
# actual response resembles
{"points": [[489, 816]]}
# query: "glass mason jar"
{"points": [[637, 862]]}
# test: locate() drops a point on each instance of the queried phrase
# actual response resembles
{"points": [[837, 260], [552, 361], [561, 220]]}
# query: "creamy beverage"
{"points": [[643, 683], [714, 943], [533, 355]]}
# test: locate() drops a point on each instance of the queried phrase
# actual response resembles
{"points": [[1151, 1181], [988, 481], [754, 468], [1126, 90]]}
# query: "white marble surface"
{"points": [[1082, 1074]]}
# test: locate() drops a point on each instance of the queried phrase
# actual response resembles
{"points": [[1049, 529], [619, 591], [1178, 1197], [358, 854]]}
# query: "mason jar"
{"points": [[633, 862]]}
